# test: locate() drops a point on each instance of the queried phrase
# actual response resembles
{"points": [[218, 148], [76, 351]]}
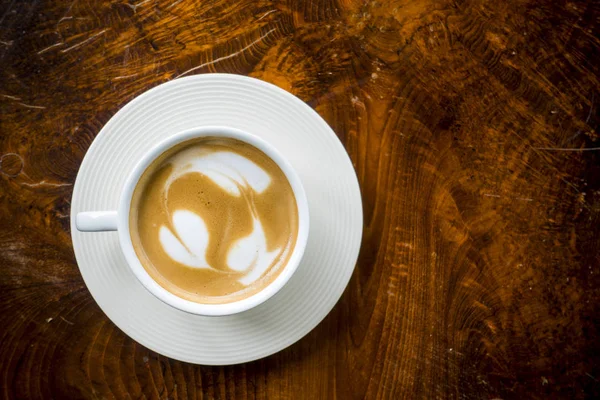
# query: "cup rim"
{"points": [[203, 308]]}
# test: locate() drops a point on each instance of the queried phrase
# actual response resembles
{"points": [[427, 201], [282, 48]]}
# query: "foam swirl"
{"points": [[187, 239]]}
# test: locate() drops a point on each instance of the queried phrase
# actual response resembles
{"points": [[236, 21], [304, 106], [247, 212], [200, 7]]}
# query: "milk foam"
{"points": [[234, 174], [228, 170], [192, 231]]}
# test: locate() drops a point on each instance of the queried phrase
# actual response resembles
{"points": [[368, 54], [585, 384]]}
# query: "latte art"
{"points": [[214, 220], [237, 176]]}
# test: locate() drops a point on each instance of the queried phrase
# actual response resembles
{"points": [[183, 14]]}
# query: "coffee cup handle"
{"points": [[96, 221]]}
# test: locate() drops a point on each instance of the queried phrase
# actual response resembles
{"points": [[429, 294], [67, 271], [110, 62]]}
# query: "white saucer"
{"points": [[331, 186]]}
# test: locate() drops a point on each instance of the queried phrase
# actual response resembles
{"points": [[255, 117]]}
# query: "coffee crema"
{"points": [[213, 220]]}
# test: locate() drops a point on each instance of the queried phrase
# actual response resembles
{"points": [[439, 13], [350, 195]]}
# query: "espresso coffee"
{"points": [[213, 220]]}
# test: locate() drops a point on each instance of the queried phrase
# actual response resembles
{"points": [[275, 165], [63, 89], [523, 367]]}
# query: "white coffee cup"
{"points": [[96, 221]]}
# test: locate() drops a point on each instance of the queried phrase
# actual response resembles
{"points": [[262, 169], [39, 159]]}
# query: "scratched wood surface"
{"points": [[473, 128]]}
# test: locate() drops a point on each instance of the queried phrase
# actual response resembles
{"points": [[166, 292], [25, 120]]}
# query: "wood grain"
{"points": [[473, 128]]}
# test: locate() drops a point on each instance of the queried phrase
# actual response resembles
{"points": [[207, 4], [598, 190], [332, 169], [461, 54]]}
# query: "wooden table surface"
{"points": [[473, 128]]}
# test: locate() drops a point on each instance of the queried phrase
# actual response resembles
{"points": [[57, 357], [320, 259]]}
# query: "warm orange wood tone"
{"points": [[473, 127]]}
